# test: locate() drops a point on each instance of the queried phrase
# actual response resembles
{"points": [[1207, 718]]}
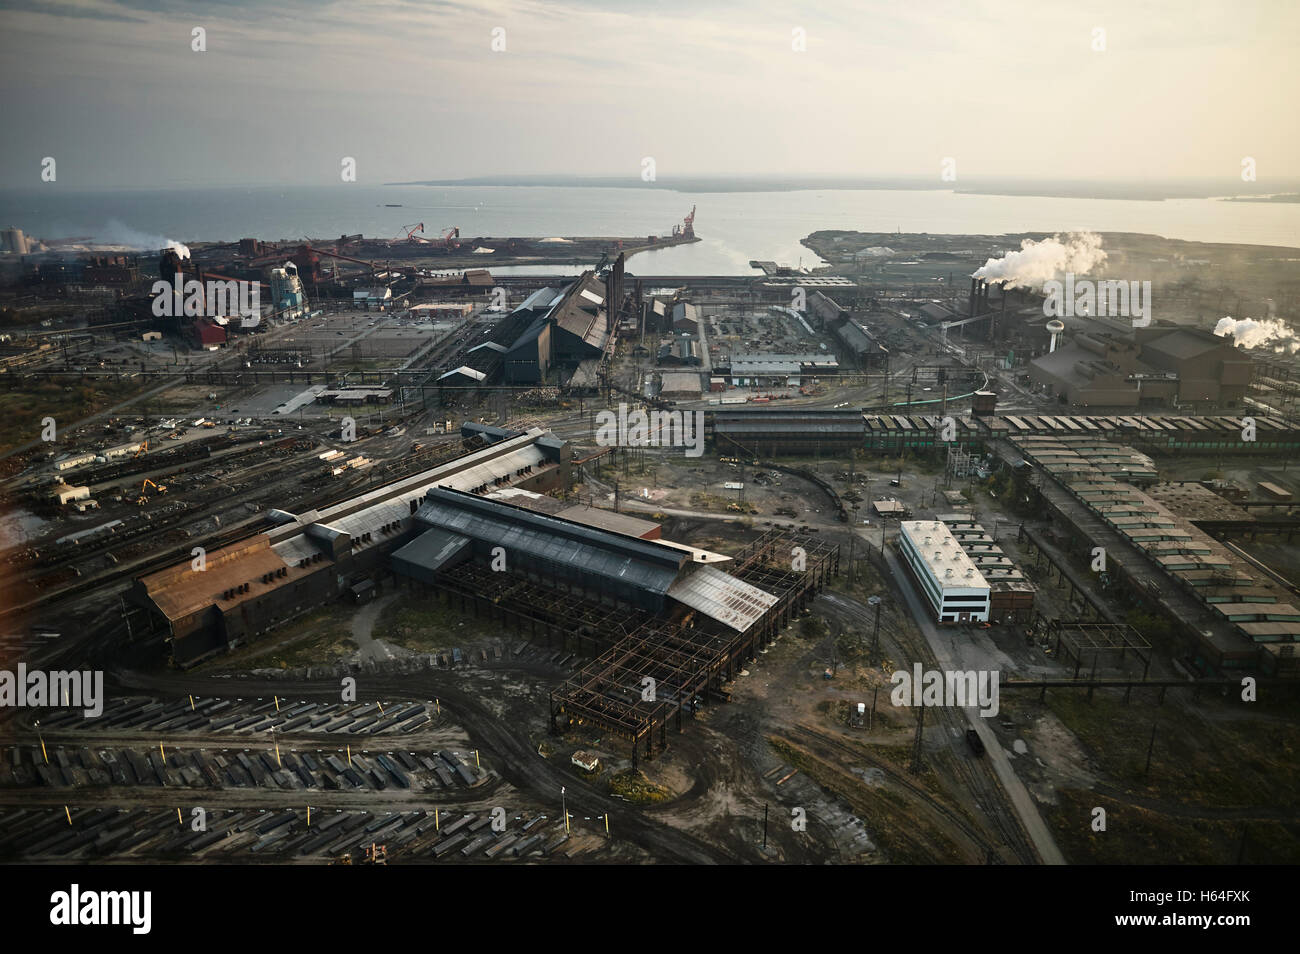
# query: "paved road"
{"points": [[1033, 823], [363, 624]]}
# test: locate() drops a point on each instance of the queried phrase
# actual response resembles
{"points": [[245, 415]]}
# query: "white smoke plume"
{"points": [[1040, 262], [1271, 333], [116, 233]]}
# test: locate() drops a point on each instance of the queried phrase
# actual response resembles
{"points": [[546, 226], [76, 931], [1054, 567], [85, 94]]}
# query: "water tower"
{"points": [[1055, 328]]}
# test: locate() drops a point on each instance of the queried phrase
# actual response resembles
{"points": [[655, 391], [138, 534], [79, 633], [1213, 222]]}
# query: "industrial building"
{"points": [[593, 562], [288, 301], [947, 577], [680, 386], [1011, 594], [683, 350], [858, 345], [1102, 363], [779, 370], [308, 559], [685, 318], [14, 241], [563, 329], [1233, 613], [774, 431]]}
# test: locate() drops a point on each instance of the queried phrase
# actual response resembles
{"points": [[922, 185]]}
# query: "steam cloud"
{"points": [[1040, 262], [1270, 333], [116, 233]]}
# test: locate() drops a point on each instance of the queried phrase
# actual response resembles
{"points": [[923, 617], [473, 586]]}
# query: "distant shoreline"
{"points": [[1280, 197], [1130, 191]]}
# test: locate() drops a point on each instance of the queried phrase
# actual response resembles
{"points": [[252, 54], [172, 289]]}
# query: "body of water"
{"points": [[735, 227]]}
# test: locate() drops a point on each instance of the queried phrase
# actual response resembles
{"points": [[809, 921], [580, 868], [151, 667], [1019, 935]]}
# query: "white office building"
{"points": [[949, 580]]}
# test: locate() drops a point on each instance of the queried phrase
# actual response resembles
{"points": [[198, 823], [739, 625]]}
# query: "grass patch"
{"points": [[21, 410], [1236, 762], [426, 624], [1135, 835], [323, 636], [636, 788]]}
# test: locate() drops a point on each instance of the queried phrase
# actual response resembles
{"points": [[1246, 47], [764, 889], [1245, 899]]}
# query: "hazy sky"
{"points": [[413, 90]]}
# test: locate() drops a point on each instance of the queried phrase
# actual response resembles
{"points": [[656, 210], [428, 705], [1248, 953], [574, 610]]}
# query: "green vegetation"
{"points": [[322, 636], [636, 788], [22, 409], [426, 624], [813, 627], [1205, 753], [1138, 835]]}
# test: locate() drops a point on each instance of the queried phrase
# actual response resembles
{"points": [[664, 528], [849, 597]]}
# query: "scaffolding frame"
{"points": [[1081, 638], [688, 661]]}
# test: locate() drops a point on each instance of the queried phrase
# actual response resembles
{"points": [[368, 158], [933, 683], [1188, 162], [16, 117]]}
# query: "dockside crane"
{"points": [[410, 233]]}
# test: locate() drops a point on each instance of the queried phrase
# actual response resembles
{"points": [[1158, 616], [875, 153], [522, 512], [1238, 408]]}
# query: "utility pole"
{"points": [[875, 639], [1150, 747], [915, 767], [853, 541]]}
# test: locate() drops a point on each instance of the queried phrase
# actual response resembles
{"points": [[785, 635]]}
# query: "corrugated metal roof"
{"points": [[489, 471], [464, 371], [541, 537], [723, 597], [542, 298], [430, 552]]}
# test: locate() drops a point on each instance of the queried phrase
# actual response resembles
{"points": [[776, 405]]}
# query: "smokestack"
{"points": [[974, 296]]}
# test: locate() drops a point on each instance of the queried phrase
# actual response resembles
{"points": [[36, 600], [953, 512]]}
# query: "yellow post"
{"points": [[68, 813], [162, 753], [381, 707], [308, 816], [45, 754], [436, 826], [179, 820], [277, 755], [607, 823], [349, 754], [191, 702], [277, 703], [437, 707], [476, 765], [566, 819]]}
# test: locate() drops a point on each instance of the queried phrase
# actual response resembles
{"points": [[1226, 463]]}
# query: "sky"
{"points": [[413, 89]]}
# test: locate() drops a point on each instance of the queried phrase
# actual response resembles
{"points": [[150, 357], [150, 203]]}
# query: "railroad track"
{"points": [[976, 776], [810, 735]]}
